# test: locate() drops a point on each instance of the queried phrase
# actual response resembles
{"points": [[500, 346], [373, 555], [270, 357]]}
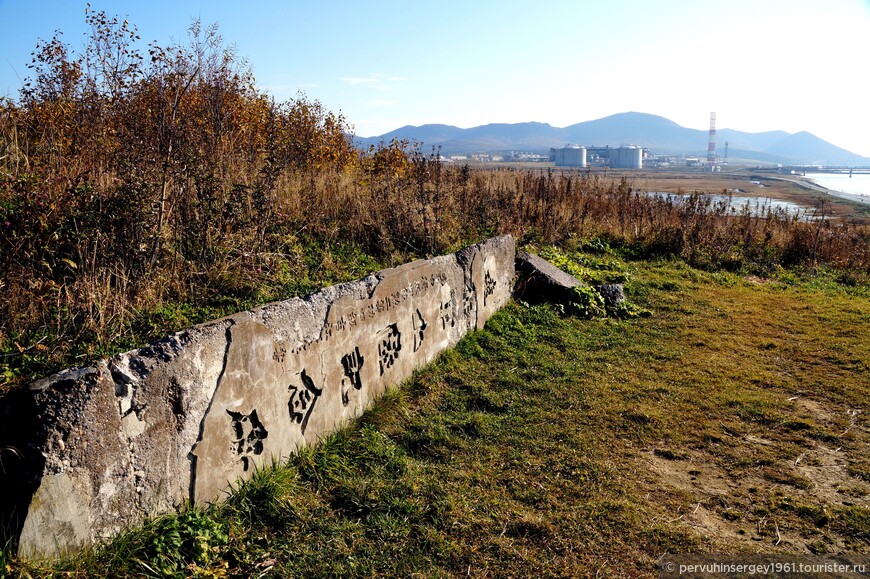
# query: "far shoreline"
{"points": [[808, 183], [854, 197]]}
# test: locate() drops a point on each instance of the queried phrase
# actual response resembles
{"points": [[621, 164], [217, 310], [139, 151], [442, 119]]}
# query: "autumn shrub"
{"points": [[130, 178]]}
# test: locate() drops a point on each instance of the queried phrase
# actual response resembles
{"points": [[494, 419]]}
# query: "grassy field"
{"points": [[142, 195], [733, 419]]}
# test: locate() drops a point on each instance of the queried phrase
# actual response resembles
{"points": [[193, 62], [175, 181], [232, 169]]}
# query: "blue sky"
{"points": [[761, 65]]}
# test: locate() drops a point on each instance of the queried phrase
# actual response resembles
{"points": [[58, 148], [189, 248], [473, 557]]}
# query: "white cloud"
{"points": [[381, 103], [377, 81], [357, 80]]}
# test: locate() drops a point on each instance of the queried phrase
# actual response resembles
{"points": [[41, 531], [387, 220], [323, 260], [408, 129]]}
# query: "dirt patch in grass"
{"points": [[772, 455], [733, 508]]}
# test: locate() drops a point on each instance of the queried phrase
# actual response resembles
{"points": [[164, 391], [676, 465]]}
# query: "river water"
{"points": [[857, 184], [757, 206]]}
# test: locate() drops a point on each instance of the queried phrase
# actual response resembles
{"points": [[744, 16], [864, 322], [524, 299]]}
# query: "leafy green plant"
{"points": [[174, 542], [5, 558], [565, 262], [587, 302], [626, 310]]}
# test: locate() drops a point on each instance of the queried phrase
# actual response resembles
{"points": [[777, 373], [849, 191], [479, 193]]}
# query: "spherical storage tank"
{"points": [[630, 157]]}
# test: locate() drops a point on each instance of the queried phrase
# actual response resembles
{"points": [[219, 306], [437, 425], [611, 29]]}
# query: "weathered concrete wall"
{"points": [[179, 420]]}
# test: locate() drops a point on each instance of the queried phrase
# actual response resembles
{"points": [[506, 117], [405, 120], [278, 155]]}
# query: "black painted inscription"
{"points": [[349, 320], [488, 286], [446, 315], [249, 434], [419, 329], [469, 301], [278, 354], [352, 364], [389, 346], [302, 400]]}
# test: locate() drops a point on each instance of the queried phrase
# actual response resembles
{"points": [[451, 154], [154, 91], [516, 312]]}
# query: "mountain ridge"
{"points": [[660, 135]]}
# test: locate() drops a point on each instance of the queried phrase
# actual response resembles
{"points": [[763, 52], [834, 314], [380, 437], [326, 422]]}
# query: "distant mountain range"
{"points": [[660, 135]]}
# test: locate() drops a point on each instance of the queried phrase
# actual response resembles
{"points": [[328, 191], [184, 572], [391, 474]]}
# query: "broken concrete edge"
{"points": [[613, 294], [538, 280], [145, 431]]}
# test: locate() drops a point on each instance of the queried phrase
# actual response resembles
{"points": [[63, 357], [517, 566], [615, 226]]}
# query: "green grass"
{"points": [[731, 420]]}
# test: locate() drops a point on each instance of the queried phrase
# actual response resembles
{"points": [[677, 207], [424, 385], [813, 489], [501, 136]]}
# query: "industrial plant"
{"points": [[626, 156]]}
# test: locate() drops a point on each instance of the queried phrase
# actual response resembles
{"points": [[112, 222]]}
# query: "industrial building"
{"points": [[627, 157]]}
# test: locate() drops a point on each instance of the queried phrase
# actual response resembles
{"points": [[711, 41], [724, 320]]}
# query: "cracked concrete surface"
{"points": [[181, 419]]}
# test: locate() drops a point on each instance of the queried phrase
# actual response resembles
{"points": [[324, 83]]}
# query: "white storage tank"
{"points": [[571, 156], [630, 157]]}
